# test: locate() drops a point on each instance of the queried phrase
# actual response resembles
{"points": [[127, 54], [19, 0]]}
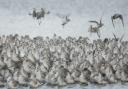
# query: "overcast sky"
{"points": [[89, 7]]}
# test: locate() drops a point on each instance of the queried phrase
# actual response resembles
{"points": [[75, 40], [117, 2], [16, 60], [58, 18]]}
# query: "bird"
{"points": [[39, 14], [12, 84], [23, 81], [69, 79], [99, 24], [117, 16], [96, 29], [116, 39], [66, 20], [33, 13]]}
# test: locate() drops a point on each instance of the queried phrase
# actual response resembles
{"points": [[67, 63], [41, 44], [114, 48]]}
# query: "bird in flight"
{"points": [[65, 19], [96, 29], [99, 24], [117, 16]]}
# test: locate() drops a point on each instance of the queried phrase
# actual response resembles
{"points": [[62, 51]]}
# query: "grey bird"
{"points": [[99, 24], [117, 16], [40, 14], [97, 28], [66, 20], [33, 14]]}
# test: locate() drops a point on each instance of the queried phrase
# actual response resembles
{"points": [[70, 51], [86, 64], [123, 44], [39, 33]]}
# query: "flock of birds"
{"points": [[33, 62], [92, 29]]}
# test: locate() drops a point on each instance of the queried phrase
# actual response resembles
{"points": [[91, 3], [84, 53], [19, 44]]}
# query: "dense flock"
{"points": [[33, 62]]}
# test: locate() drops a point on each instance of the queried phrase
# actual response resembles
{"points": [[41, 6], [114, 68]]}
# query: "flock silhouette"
{"points": [[34, 62], [38, 15]]}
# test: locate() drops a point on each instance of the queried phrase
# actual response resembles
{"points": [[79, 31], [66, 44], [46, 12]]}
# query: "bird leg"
{"points": [[121, 17]]}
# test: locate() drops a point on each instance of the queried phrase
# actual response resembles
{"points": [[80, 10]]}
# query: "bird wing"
{"points": [[60, 15], [121, 17], [113, 22], [68, 19], [115, 36], [98, 34], [63, 16], [100, 20], [94, 22]]}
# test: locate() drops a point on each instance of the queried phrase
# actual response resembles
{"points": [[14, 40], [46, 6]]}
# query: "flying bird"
{"points": [[117, 16], [99, 24], [39, 14], [66, 21], [33, 14], [96, 29]]}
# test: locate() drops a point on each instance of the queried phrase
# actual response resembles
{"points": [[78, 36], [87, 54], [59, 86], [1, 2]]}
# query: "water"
{"points": [[78, 86], [90, 86]]}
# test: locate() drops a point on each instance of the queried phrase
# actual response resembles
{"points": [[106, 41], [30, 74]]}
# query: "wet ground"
{"points": [[77, 86]]}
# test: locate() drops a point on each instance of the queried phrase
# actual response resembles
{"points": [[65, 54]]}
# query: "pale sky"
{"points": [[80, 11], [68, 6]]}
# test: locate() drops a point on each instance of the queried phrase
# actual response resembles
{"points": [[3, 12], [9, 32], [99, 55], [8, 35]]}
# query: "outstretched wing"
{"points": [[115, 36], [60, 15], [113, 22], [68, 19], [94, 22], [121, 17], [101, 21], [98, 34]]}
